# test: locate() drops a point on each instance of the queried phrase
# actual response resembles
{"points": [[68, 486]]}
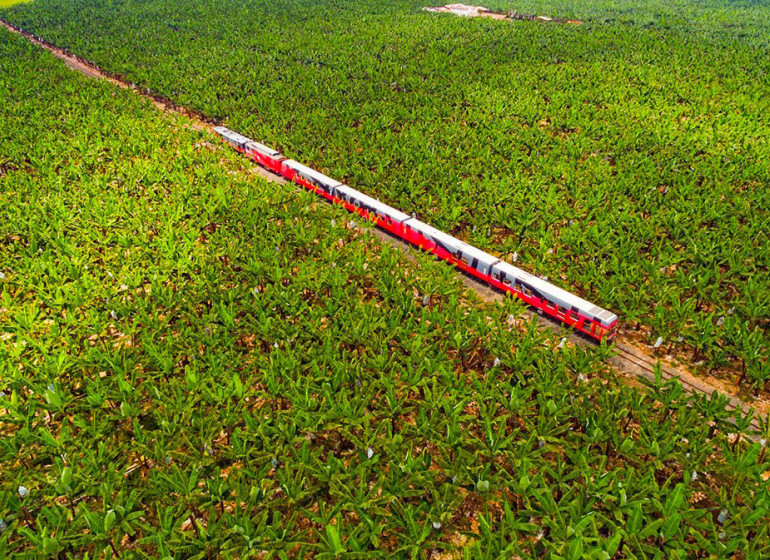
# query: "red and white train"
{"points": [[576, 312]]}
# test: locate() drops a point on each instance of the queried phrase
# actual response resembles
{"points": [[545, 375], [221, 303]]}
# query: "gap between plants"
{"points": [[464, 10]]}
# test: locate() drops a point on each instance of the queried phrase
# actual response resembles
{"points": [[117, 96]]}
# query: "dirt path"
{"points": [[464, 10], [631, 361]]}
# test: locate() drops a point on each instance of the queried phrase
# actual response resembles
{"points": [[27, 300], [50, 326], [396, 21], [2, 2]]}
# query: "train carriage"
{"points": [[265, 156], [471, 259], [383, 215], [569, 308], [310, 178], [236, 140]]}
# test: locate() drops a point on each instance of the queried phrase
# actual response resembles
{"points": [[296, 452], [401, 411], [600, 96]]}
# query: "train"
{"points": [[579, 314]]}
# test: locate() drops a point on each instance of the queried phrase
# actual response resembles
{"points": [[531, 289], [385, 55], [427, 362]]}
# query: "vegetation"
{"points": [[196, 364], [625, 158]]}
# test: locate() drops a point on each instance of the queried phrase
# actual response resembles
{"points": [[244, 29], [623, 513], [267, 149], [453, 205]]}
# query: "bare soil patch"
{"points": [[464, 10]]}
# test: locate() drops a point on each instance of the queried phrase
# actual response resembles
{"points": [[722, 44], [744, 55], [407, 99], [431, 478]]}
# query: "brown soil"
{"points": [[464, 10]]}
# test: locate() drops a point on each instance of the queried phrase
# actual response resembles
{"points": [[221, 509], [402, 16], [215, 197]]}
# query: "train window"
{"points": [[496, 275]]}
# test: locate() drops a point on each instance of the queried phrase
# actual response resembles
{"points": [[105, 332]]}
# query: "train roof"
{"points": [[230, 135], [376, 205], [312, 174], [451, 242], [558, 295], [261, 148]]}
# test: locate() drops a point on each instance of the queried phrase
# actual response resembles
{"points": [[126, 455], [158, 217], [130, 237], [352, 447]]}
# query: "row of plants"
{"points": [[197, 364], [625, 159]]}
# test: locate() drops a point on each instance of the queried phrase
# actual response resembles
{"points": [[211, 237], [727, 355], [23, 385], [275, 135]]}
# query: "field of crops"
{"points": [[625, 159], [196, 364]]}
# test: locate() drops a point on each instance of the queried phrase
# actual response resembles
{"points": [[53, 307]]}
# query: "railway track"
{"points": [[647, 364], [627, 360]]}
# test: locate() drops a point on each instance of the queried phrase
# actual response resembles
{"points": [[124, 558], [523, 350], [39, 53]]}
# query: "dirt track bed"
{"points": [[464, 10]]}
